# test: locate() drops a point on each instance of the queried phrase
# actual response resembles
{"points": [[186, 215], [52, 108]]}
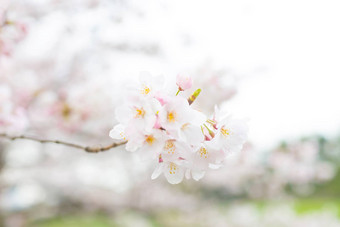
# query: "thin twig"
{"points": [[85, 148]]}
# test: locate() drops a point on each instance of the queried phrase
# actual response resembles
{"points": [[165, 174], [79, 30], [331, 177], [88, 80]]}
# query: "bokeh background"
{"points": [[63, 67]]}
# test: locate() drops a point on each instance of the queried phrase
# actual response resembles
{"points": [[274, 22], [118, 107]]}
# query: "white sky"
{"points": [[291, 49]]}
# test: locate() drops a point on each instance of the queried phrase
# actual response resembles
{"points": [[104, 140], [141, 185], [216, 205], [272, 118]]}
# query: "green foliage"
{"points": [[75, 221], [304, 206]]}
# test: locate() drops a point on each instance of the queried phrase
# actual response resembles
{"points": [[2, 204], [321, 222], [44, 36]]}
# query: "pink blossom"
{"points": [[183, 82]]}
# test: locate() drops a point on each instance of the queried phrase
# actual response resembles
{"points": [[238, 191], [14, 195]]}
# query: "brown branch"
{"points": [[85, 148]]}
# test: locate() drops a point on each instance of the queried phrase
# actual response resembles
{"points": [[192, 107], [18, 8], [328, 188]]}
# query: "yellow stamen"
{"points": [[225, 132], [66, 111], [185, 126], [150, 139], [122, 135], [145, 90], [203, 152], [170, 147], [212, 122], [172, 168], [171, 116], [140, 112]]}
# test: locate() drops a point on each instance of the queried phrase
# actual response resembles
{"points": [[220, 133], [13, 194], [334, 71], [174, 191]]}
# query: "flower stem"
{"points": [[178, 92]]}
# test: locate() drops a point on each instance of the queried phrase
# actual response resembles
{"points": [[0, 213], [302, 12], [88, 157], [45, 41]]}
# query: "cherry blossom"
{"points": [[176, 114], [147, 86], [167, 129], [11, 32], [230, 135], [183, 82], [13, 118], [173, 171], [141, 113]]}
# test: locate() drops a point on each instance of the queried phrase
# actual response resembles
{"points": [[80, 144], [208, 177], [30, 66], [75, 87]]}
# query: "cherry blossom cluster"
{"points": [[298, 165], [13, 117], [166, 128], [69, 108], [11, 32]]}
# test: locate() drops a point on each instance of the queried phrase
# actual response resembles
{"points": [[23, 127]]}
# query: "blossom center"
{"points": [[66, 111], [150, 139], [203, 152], [225, 132], [171, 116], [122, 135], [145, 90], [172, 168], [170, 147], [140, 112]]}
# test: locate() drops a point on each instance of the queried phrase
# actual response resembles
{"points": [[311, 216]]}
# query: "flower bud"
{"points": [[193, 97], [183, 82]]}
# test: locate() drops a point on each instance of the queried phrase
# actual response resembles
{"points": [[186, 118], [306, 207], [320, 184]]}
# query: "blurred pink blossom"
{"points": [[183, 82]]}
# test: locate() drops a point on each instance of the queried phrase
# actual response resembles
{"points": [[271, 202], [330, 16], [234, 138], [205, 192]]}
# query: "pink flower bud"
{"points": [[160, 159], [183, 82]]}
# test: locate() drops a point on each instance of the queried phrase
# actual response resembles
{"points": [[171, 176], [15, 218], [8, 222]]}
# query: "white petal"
{"points": [[197, 174], [118, 132], [174, 173], [185, 150], [155, 105], [216, 156], [201, 163], [131, 146], [215, 166], [147, 152], [197, 118], [187, 174], [218, 142], [192, 134], [149, 122], [158, 171]]}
